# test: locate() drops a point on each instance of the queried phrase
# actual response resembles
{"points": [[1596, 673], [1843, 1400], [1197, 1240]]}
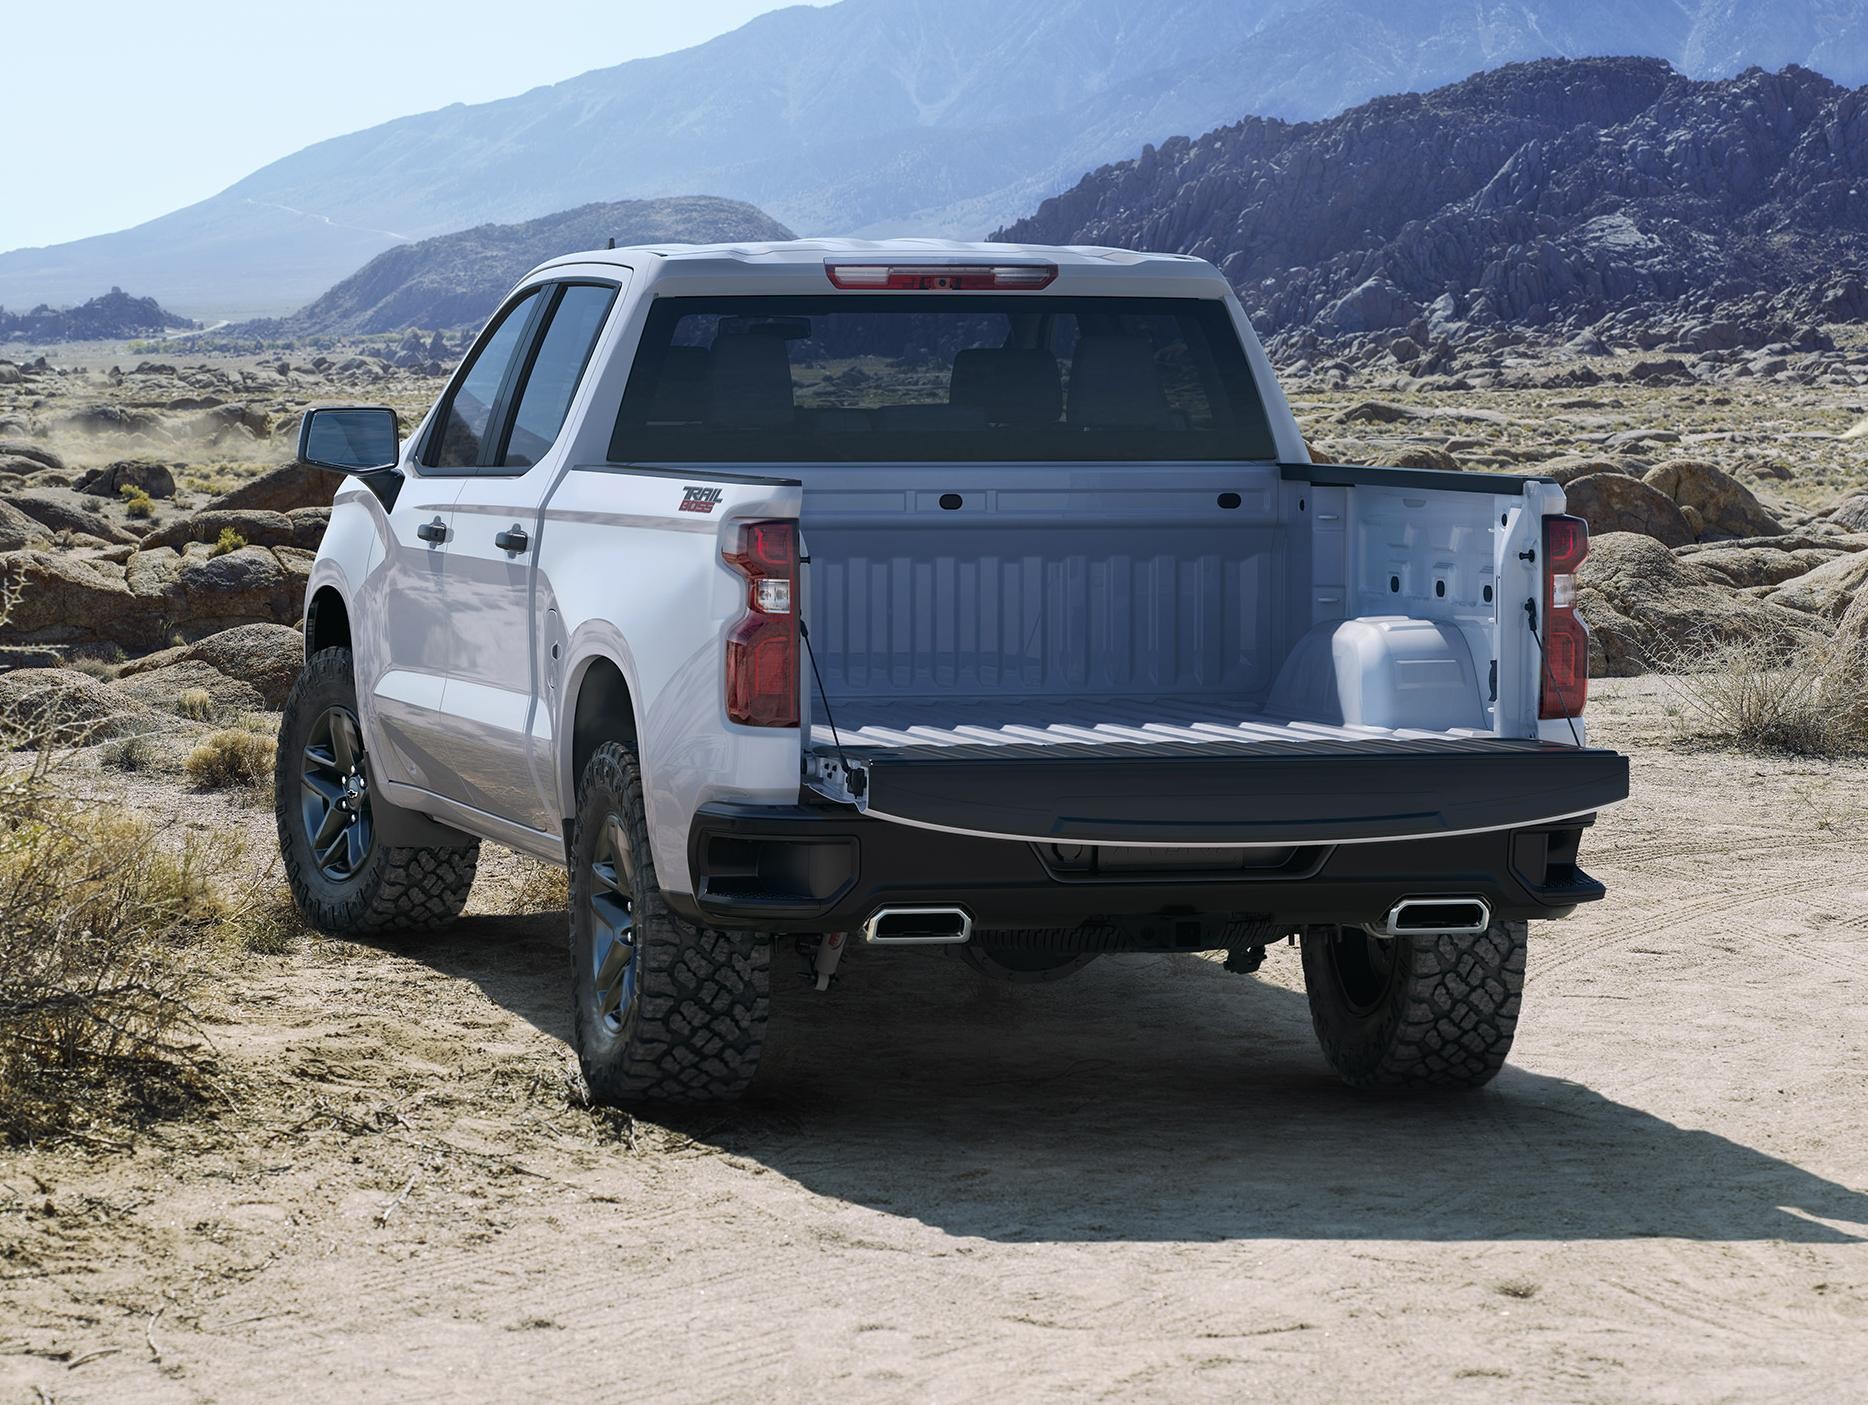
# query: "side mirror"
{"points": [[359, 439]]}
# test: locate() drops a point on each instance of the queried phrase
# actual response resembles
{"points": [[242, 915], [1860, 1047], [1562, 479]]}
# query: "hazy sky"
{"points": [[117, 111]]}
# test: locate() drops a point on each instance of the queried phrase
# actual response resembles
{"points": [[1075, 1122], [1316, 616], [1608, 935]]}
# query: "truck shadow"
{"points": [[1157, 1098]]}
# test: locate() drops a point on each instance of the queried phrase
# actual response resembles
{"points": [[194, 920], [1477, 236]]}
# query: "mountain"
{"points": [[1560, 191], [883, 116], [457, 280], [112, 317]]}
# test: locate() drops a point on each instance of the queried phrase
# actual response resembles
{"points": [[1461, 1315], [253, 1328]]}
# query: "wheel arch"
{"points": [[602, 709], [327, 621]]}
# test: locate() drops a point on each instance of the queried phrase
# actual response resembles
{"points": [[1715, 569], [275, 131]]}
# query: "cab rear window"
{"points": [[920, 378]]}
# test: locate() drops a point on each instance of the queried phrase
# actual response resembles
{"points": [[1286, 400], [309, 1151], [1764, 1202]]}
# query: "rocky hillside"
{"points": [[1549, 194], [113, 317], [456, 280]]}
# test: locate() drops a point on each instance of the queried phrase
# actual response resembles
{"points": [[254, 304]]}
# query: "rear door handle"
{"points": [[512, 539], [435, 531]]}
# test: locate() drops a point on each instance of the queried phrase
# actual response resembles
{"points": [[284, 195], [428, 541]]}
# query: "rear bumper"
{"points": [[814, 868]]}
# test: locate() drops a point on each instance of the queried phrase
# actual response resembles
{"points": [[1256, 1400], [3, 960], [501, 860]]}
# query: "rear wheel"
{"points": [[344, 878], [1421, 1010], [663, 1011]]}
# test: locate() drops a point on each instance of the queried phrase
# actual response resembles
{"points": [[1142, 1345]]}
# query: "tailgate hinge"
{"points": [[838, 778]]}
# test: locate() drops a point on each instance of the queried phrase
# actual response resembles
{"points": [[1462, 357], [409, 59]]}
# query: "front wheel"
{"points": [[345, 878], [663, 1011], [1421, 1010]]}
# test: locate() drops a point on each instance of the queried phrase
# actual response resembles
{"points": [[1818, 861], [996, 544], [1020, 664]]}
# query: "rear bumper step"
{"points": [[1255, 793], [822, 867]]}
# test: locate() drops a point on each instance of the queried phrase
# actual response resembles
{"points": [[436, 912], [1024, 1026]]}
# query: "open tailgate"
{"points": [[1310, 791]]}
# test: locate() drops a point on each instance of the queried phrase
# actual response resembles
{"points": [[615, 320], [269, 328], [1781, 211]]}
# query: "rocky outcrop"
{"points": [[61, 510], [1541, 194], [66, 707], [1646, 610], [147, 475], [265, 656], [1724, 506], [1614, 502], [281, 490], [152, 597]]}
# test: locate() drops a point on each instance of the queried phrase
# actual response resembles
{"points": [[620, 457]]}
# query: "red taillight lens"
{"points": [[942, 278], [1566, 637], [762, 649]]}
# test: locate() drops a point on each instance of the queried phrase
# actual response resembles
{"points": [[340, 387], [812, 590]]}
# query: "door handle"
{"points": [[513, 539], [435, 531]]}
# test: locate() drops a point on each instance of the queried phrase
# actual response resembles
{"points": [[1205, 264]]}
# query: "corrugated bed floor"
{"points": [[1093, 721]]}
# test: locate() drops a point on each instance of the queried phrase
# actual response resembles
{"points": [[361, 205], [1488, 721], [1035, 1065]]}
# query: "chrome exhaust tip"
{"points": [[1434, 917], [918, 926]]}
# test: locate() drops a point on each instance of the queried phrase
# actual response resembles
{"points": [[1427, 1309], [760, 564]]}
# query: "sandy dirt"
{"points": [[1137, 1184]]}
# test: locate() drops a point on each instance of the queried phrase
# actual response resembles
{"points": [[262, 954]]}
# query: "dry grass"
{"points": [[1753, 697], [229, 540], [539, 887], [230, 758], [196, 704]]}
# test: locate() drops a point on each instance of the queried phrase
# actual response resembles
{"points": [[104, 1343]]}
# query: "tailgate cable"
{"points": [[857, 781], [1530, 608]]}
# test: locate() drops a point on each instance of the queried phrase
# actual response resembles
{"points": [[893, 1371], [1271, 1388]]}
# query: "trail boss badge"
{"points": [[700, 499]]}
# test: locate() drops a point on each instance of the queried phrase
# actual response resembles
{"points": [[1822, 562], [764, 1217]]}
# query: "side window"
{"points": [[459, 440], [563, 353]]}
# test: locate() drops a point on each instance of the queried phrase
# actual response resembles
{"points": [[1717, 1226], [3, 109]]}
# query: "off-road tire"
{"points": [[1443, 1016], [695, 1027], [396, 889]]}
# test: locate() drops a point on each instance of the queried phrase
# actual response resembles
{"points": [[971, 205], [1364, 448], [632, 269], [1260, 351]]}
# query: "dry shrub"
{"points": [[234, 757], [539, 887], [196, 704], [228, 540], [136, 752], [136, 501], [1751, 694]]}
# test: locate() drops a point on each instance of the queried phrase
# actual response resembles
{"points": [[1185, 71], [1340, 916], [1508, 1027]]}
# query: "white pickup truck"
{"points": [[917, 592]]}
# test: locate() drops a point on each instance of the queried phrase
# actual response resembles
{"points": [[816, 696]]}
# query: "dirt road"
{"points": [[1138, 1184]]}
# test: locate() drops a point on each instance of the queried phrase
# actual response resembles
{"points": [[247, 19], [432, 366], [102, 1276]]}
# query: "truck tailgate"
{"points": [[1254, 789]]}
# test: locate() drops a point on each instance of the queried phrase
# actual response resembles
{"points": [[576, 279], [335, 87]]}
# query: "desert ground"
{"points": [[1140, 1183]]}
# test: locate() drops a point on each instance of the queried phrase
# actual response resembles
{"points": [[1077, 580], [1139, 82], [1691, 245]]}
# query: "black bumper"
{"points": [[816, 868]]}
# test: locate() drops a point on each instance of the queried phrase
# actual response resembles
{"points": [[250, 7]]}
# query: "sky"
{"points": [[118, 111]]}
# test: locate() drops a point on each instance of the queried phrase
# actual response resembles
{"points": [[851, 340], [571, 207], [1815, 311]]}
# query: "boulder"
{"points": [[266, 656], [1852, 628], [1828, 590], [1614, 502], [62, 510], [282, 490], [159, 689], [1567, 468], [1851, 513], [1752, 566], [17, 529], [153, 478], [66, 708], [1425, 456], [256, 526], [24, 449], [308, 526], [1646, 610], [1377, 412], [1726, 507]]}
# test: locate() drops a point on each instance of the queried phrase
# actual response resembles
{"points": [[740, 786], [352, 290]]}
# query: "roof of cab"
{"points": [[786, 261]]}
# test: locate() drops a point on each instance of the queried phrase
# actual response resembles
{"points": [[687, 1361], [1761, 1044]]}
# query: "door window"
{"points": [[563, 353], [459, 442]]}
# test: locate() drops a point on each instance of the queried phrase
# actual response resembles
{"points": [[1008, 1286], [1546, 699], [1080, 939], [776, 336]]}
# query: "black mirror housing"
{"points": [[359, 439]]}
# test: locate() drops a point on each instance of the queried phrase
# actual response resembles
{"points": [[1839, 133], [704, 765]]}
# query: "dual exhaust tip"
{"points": [[1434, 917], [953, 926]]}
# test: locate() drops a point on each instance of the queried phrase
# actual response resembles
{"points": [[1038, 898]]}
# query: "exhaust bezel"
{"points": [[964, 935], [1390, 926]]}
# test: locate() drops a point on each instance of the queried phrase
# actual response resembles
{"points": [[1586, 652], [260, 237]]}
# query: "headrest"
{"points": [[1114, 383], [750, 382], [1009, 385]]}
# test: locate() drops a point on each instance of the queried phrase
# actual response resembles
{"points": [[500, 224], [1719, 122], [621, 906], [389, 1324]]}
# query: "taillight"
{"points": [[942, 278], [1566, 637], [762, 649]]}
